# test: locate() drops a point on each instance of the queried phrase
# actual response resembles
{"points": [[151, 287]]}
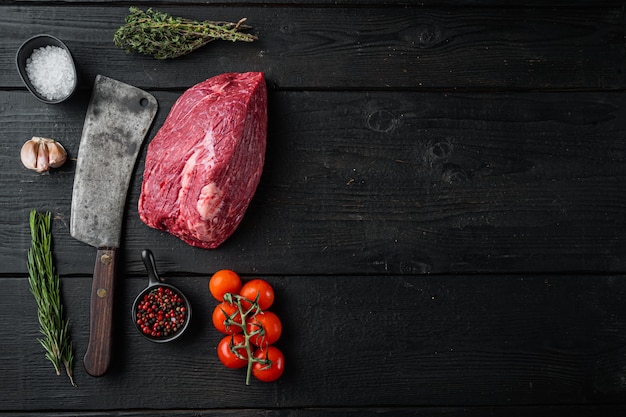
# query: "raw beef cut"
{"points": [[204, 164]]}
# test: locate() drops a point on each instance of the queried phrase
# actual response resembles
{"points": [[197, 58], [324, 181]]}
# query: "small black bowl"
{"points": [[26, 50], [154, 284]]}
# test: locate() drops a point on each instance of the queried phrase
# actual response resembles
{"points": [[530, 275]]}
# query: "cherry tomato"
{"points": [[224, 281], [272, 371], [229, 347], [259, 287], [269, 327], [223, 311]]}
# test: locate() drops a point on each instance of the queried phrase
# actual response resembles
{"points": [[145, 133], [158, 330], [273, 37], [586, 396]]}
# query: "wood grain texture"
{"points": [[351, 47], [98, 354], [501, 411], [414, 341], [378, 182], [441, 212], [377, 3]]}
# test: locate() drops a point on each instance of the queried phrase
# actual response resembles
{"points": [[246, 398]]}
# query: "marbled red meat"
{"points": [[204, 164]]}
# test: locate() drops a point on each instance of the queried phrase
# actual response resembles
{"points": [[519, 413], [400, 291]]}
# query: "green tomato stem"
{"points": [[247, 345]]}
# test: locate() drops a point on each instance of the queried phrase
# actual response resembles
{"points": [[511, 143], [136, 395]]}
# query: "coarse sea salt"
{"points": [[51, 72]]}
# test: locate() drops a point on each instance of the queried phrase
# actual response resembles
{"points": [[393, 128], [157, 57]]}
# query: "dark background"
{"points": [[441, 212]]}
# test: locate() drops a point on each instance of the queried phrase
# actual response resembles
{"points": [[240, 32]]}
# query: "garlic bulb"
{"points": [[41, 154]]}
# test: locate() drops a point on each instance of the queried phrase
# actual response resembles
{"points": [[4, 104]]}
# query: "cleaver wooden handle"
{"points": [[98, 355]]}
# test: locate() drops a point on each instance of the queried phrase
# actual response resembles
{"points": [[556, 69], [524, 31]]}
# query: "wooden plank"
{"points": [[405, 183], [502, 411], [350, 341], [352, 47], [377, 3]]}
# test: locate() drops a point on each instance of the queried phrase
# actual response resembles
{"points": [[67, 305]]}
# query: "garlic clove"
{"points": [[56, 155], [41, 154], [42, 158], [28, 154]]}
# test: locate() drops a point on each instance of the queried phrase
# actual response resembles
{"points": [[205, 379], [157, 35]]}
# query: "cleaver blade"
{"points": [[117, 120]]}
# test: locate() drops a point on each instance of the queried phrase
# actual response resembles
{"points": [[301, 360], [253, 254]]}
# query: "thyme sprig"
{"points": [[164, 36], [45, 285]]}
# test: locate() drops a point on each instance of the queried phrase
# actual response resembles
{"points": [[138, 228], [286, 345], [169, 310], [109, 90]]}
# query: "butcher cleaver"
{"points": [[117, 121]]}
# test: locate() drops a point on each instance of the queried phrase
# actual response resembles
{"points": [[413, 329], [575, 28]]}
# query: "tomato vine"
{"points": [[244, 313], [250, 329]]}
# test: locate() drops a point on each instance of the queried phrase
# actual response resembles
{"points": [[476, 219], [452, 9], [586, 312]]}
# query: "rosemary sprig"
{"points": [[45, 285], [164, 36]]}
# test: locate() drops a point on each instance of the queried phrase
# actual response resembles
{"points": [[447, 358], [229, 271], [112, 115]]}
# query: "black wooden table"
{"points": [[441, 212]]}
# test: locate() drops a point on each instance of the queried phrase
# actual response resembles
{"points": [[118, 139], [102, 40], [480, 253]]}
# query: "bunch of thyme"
{"points": [[164, 36], [45, 285]]}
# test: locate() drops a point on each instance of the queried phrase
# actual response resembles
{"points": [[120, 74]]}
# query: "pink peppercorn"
{"points": [[161, 312]]}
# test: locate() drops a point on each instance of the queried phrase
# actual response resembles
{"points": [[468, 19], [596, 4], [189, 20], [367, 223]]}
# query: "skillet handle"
{"points": [[150, 264], [98, 355]]}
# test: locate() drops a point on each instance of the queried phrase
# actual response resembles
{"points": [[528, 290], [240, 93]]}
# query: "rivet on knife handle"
{"points": [[98, 355]]}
